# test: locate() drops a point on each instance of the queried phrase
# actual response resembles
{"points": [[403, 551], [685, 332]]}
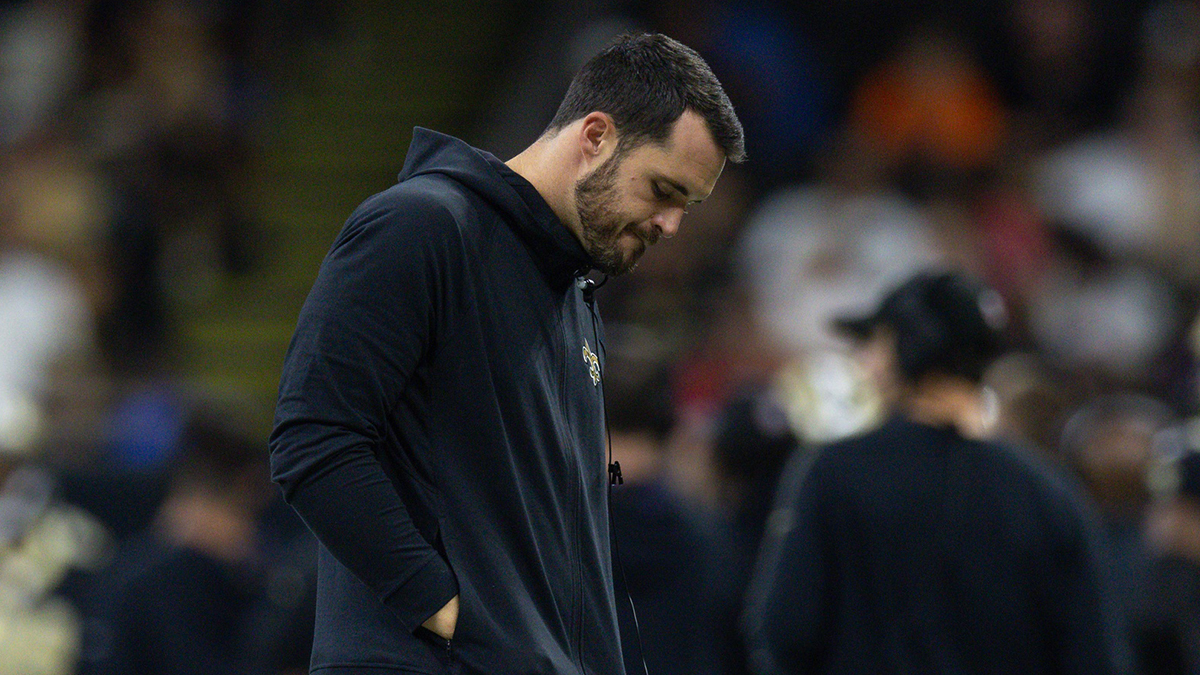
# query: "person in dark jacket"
{"points": [[181, 597], [439, 424], [672, 556], [924, 546]]}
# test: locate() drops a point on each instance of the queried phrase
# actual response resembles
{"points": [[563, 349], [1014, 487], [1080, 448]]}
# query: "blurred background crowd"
{"points": [[172, 172]]}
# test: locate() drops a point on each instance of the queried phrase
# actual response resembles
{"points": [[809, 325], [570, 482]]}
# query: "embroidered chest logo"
{"points": [[592, 362]]}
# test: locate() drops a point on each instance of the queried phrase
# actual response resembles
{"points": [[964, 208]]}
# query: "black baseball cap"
{"points": [[944, 321]]}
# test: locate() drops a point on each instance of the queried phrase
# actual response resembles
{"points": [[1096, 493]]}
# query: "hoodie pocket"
{"points": [[441, 648]]}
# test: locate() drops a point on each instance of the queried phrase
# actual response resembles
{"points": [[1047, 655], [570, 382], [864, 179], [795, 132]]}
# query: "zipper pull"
{"points": [[614, 474]]}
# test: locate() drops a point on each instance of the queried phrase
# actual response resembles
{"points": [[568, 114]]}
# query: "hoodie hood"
{"points": [[517, 201]]}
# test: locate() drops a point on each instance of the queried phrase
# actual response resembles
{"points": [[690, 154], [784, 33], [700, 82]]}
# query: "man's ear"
{"points": [[597, 137]]}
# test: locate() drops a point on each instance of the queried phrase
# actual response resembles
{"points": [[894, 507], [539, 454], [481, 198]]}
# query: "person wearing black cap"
{"points": [[923, 546]]}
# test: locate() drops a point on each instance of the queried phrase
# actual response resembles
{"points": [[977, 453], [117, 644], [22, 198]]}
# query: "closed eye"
{"points": [[674, 193]]}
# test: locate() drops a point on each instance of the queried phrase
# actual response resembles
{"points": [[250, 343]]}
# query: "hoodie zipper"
{"points": [[435, 640], [576, 518], [581, 485], [590, 301]]}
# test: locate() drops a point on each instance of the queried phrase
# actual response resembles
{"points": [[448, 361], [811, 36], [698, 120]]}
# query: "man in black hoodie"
{"points": [[440, 418], [924, 547]]}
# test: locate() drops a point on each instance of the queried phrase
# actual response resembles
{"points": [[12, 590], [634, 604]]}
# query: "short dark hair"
{"points": [[645, 82]]}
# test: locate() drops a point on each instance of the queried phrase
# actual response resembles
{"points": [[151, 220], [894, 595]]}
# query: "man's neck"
{"points": [[945, 401], [542, 165]]}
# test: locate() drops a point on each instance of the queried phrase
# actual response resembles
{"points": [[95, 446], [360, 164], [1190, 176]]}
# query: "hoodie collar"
{"points": [[557, 252]]}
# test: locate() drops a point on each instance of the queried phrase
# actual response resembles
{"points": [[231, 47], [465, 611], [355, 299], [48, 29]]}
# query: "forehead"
{"points": [[689, 157]]}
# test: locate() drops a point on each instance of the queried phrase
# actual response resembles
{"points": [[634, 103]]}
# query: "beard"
{"points": [[601, 224]]}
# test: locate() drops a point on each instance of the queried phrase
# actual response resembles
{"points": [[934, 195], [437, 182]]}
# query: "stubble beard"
{"points": [[600, 225]]}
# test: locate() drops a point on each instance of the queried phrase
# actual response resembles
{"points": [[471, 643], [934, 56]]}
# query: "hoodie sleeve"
{"points": [[362, 331]]}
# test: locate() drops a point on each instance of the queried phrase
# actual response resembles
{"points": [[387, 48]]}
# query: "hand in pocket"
{"points": [[444, 622]]}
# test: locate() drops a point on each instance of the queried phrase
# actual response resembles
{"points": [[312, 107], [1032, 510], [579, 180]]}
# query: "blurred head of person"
{"points": [[926, 347], [1110, 442], [219, 484], [1173, 519], [638, 399], [753, 440]]}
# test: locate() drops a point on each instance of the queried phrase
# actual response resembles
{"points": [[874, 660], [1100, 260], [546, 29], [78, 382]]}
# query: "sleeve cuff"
{"points": [[426, 592]]}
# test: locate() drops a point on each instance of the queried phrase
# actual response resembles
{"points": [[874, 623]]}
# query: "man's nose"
{"points": [[667, 221]]}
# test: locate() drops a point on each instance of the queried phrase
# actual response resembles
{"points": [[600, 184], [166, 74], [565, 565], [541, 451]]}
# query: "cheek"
{"points": [[628, 203], [877, 360], [618, 217]]}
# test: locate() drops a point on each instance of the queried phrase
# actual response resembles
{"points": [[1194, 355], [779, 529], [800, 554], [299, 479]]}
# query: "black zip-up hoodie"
{"points": [[440, 429]]}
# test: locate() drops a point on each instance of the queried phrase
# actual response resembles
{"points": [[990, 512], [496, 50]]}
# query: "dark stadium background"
{"points": [[173, 171]]}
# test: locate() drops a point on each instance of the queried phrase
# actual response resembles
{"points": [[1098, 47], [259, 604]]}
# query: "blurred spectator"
{"points": [[1170, 129], [40, 64], [146, 426], [1171, 637], [923, 546], [1111, 444], [168, 129], [1015, 247], [48, 550], [43, 319], [753, 441], [669, 555], [827, 396], [123, 136], [1064, 64], [1135, 189], [931, 113], [1100, 317], [51, 209], [185, 596], [810, 251], [1034, 402], [730, 354]]}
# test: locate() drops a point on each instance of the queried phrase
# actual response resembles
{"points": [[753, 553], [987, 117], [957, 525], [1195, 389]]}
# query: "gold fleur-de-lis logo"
{"points": [[592, 362]]}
